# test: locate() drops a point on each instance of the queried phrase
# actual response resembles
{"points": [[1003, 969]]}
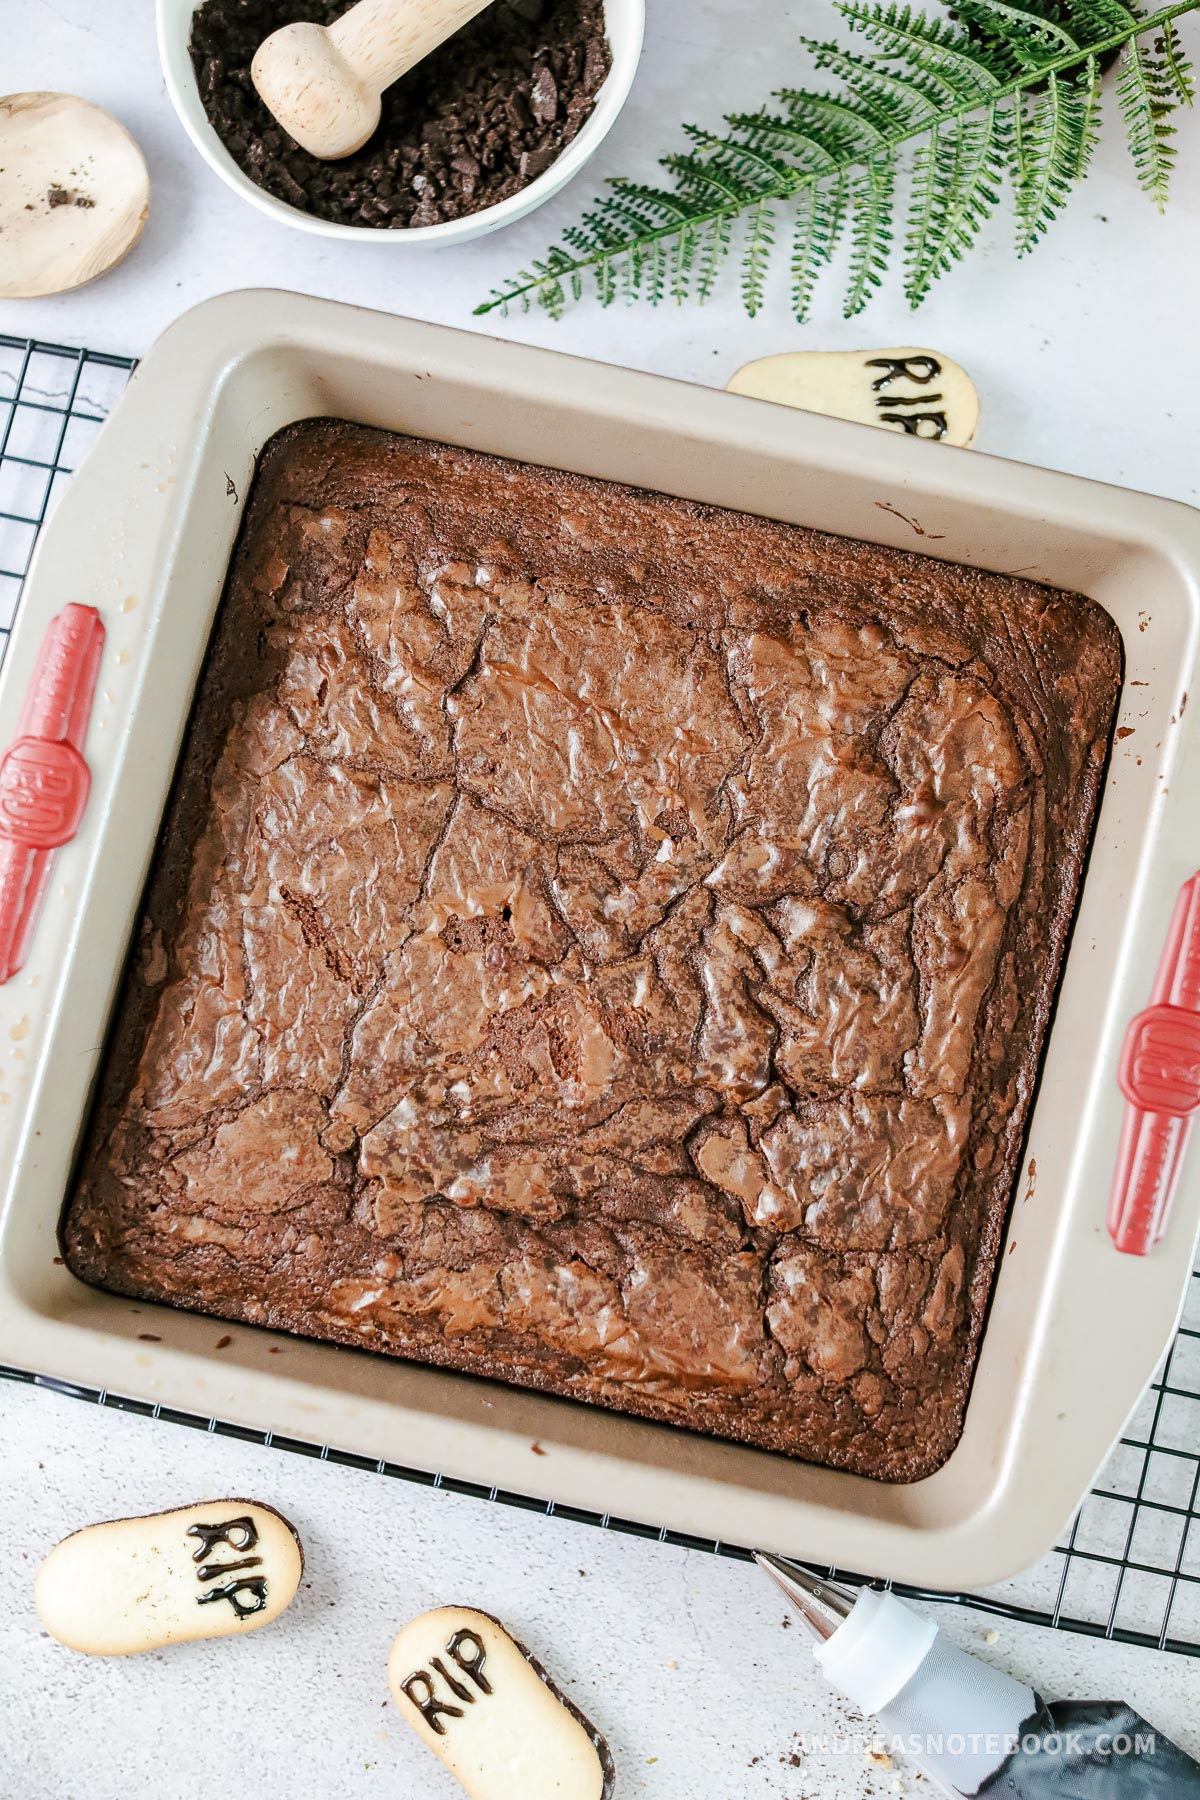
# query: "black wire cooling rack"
{"points": [[1129, 1566]]}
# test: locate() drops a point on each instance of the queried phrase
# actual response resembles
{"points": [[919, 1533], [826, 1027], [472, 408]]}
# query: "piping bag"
{"points": [[971, 1728]]}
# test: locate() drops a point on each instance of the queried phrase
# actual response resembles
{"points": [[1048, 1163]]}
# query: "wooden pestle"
{"points": [[323, 82]]}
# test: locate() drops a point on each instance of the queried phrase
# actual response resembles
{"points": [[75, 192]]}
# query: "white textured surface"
{"points": [[681, 1658], [1085, 359]]}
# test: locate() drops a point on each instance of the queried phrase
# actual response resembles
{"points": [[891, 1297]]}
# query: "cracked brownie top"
{"points": [[602, 942]]}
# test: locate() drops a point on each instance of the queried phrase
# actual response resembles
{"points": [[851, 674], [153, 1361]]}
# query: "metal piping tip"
{"points": [[822, 1604]]}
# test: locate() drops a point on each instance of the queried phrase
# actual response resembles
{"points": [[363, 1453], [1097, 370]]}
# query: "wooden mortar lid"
{"points": [[74, 194]]}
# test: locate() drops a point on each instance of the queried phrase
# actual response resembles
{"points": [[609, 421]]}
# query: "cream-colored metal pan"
{"points": [[144, 533]]}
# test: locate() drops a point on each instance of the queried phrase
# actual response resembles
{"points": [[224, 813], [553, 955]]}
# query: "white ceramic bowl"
{"points": [[625, 20]]}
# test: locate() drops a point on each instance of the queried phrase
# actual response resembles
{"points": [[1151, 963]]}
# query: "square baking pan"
{"points": [[144, 533]]}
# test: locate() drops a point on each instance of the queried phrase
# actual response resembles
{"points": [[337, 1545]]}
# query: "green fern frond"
{"points": [[1092, 19], [888, 98], [1088, 136], [710, 180], [847, 129], [756, 255], [718, 239], [820, 221], [1034, 35], [872, 194], [1147, 99], [1178, 68], [957, 178], [756, 165], [1009, 87], [963, 69], [1052, 145], [767, 131]]}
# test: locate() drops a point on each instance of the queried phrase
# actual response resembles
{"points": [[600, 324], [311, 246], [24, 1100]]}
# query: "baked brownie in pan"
{"points": [[603, 943]]}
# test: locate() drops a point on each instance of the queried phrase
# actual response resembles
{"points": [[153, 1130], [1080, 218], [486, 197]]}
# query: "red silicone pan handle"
{"points": [[1159, 1074], [44, 780]]}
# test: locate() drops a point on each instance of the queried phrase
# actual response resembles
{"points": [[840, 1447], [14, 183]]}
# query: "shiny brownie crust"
{"points": [[603, 943]]}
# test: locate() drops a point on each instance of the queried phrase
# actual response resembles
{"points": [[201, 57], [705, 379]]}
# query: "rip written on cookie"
{"points": [[490, 1712], [239, 1535], [124, 1586], [466, 1650]]}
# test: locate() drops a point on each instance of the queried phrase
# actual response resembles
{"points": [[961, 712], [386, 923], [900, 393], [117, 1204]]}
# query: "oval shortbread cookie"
{"points": [[211, 1570], [920, 392], [488, 1709]]}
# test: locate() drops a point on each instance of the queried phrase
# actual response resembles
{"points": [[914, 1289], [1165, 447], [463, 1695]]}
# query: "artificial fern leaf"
{"points": [[1176, 65], [924, 199], [846, 128], [1092, 20], [709, 180], [717, 246], [820, 220], [1007, 86], [871, 197], [755, 165], [1088, 88], [889, 99], [756, 255], [768, 131], [1051, 146], [958, 181], [1033, 35], [964, 69], [1146, 99]]}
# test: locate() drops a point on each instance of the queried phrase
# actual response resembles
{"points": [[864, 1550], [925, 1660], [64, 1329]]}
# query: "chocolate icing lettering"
{"points": [[921, 371], [467, 1649], [429, 1706], [456, 1687], [255, 1585], [912, 423], [210, 1571], [239, 1534], [896, 367], [470, 1665]]}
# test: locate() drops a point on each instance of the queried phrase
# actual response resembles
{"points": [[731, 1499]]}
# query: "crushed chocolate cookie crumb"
{"points": [[473, 124]]}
